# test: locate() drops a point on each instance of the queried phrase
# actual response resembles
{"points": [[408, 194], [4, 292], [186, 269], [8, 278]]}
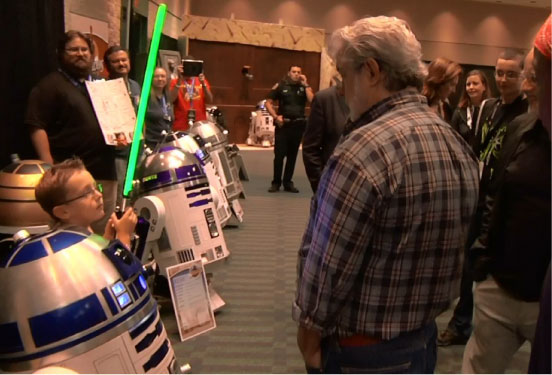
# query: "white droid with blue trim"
{"points": [[194, 145], [225, 158], [73, 300], [177, 206]]}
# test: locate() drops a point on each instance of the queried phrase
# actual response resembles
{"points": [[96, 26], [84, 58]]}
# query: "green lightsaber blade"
{"points": [[144, 97]]}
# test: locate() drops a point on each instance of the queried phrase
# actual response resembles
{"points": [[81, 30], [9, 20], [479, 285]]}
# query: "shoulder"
{"points": [[327, 93]]}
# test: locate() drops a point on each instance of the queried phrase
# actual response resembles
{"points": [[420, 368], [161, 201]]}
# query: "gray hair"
{"points": [[390, 42]]}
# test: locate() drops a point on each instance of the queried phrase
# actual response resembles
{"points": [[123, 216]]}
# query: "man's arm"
{"points": [[329, 262], [173, 89], [312, 143], [206, 88], [308, 89], [279, 119], [41, 144]]}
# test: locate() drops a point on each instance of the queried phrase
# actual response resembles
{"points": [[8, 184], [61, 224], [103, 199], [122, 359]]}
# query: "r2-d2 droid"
{"points": [[73, 300], [192, 145], [224, 158], [261, 127], [175, 199]]}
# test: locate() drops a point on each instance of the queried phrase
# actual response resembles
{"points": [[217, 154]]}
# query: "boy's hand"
{"points": [[124, 227], [109, 232]]}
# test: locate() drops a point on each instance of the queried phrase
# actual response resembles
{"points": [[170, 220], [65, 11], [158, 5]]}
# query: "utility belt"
{"points": [[292, 122]]}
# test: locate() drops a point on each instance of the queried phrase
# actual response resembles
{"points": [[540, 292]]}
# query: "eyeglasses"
{"points": [[90, 191], [75, 50], [509, 74]]}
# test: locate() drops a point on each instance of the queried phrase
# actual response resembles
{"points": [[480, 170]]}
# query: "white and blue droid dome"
{"points": [[210, 133], [74, 300], [169, 167]]}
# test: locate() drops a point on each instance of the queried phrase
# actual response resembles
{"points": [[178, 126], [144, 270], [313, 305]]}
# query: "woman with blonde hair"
{"points": [[440, 82]]}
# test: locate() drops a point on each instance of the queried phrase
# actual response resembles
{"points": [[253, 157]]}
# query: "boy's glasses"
{"points": [[90, 191]]}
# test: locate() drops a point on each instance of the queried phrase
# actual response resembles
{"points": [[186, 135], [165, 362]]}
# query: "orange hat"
{"points": [[542, 40]]}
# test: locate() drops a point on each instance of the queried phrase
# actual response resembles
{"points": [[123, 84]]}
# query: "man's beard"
{"points": [[76, 71]]}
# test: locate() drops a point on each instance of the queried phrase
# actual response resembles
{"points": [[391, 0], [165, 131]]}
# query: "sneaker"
{"points": [[448, 337], [291, 188], [274, 188]]}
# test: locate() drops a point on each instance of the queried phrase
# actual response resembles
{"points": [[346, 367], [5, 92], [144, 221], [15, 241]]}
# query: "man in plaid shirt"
{"points": [[382, 253]]}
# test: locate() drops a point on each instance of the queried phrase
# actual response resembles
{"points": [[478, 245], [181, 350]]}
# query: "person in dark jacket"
{"points": [[328, 115], [540, 352], [511, 255], [465, 116]]}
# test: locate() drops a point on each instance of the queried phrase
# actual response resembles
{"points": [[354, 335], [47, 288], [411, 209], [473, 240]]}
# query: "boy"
{"points": [[71, 196]]}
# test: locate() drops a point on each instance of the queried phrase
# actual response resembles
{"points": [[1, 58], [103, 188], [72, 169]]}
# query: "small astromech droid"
{"points": [[193, 145], [73, 300], [226, 159], [18, 206], [261, 127], [175, 199]]}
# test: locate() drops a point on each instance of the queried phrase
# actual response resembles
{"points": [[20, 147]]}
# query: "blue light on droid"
{"points": [[118, 288], [143, 283], [124, 300]]}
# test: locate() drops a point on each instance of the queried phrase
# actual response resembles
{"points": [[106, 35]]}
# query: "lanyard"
{"points": [[165, 106], [190, 90], [469, 120]]}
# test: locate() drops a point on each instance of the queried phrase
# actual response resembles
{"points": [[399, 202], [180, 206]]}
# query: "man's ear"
{"points": [[60, 212], [374, 72]]}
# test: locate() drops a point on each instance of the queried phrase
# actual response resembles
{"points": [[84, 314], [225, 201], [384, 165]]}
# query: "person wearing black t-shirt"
{"points": [[63, 123], [292, 94]]}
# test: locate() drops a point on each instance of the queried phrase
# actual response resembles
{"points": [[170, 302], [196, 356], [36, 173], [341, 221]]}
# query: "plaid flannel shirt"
{"points": [[383, 249]]}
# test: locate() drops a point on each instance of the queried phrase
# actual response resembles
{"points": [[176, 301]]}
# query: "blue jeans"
{"points": [[411, 352]]}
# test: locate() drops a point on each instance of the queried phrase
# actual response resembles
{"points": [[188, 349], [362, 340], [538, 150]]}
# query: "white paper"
{"points": [[113, 108], [190, 298]]}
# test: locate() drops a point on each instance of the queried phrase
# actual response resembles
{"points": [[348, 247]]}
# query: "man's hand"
{"points": [[308, 342], [303, 79], [201, 78], [279, 121]]}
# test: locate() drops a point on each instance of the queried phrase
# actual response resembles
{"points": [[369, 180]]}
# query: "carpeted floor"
{"points": [[255, 332]]}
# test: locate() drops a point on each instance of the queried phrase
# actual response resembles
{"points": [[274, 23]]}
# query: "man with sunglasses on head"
{"points": [[62, 121]]}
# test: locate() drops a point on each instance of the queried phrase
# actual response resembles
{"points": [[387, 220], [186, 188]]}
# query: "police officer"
{"points": [[292, 94]]}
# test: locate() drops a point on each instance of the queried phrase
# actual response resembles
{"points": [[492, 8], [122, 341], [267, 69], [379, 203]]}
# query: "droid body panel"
{"points": [[261, 127], [216, 144], [74, 300], [190, 144], [18, 206], [175, 198]]}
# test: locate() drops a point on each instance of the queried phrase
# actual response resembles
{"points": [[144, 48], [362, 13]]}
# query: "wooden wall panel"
{"points": [[237, 96]]}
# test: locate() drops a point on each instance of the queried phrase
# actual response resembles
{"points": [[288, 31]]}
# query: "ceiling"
{"points": [[526, 3]]}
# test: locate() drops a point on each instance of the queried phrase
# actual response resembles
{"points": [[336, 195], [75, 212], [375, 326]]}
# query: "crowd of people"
{"points": [[413, 201], [418, 201]]}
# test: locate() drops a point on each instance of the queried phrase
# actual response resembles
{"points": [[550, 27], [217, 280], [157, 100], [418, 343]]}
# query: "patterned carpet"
{"points": [[255, 332]]}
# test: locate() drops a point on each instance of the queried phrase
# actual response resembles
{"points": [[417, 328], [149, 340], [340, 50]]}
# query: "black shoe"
{"points": [[291, 188], [448, 337], [274, 188]]}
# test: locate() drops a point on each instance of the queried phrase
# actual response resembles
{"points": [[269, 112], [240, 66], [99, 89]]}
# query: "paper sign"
{"points": [[113, 108], [191, 301]]}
